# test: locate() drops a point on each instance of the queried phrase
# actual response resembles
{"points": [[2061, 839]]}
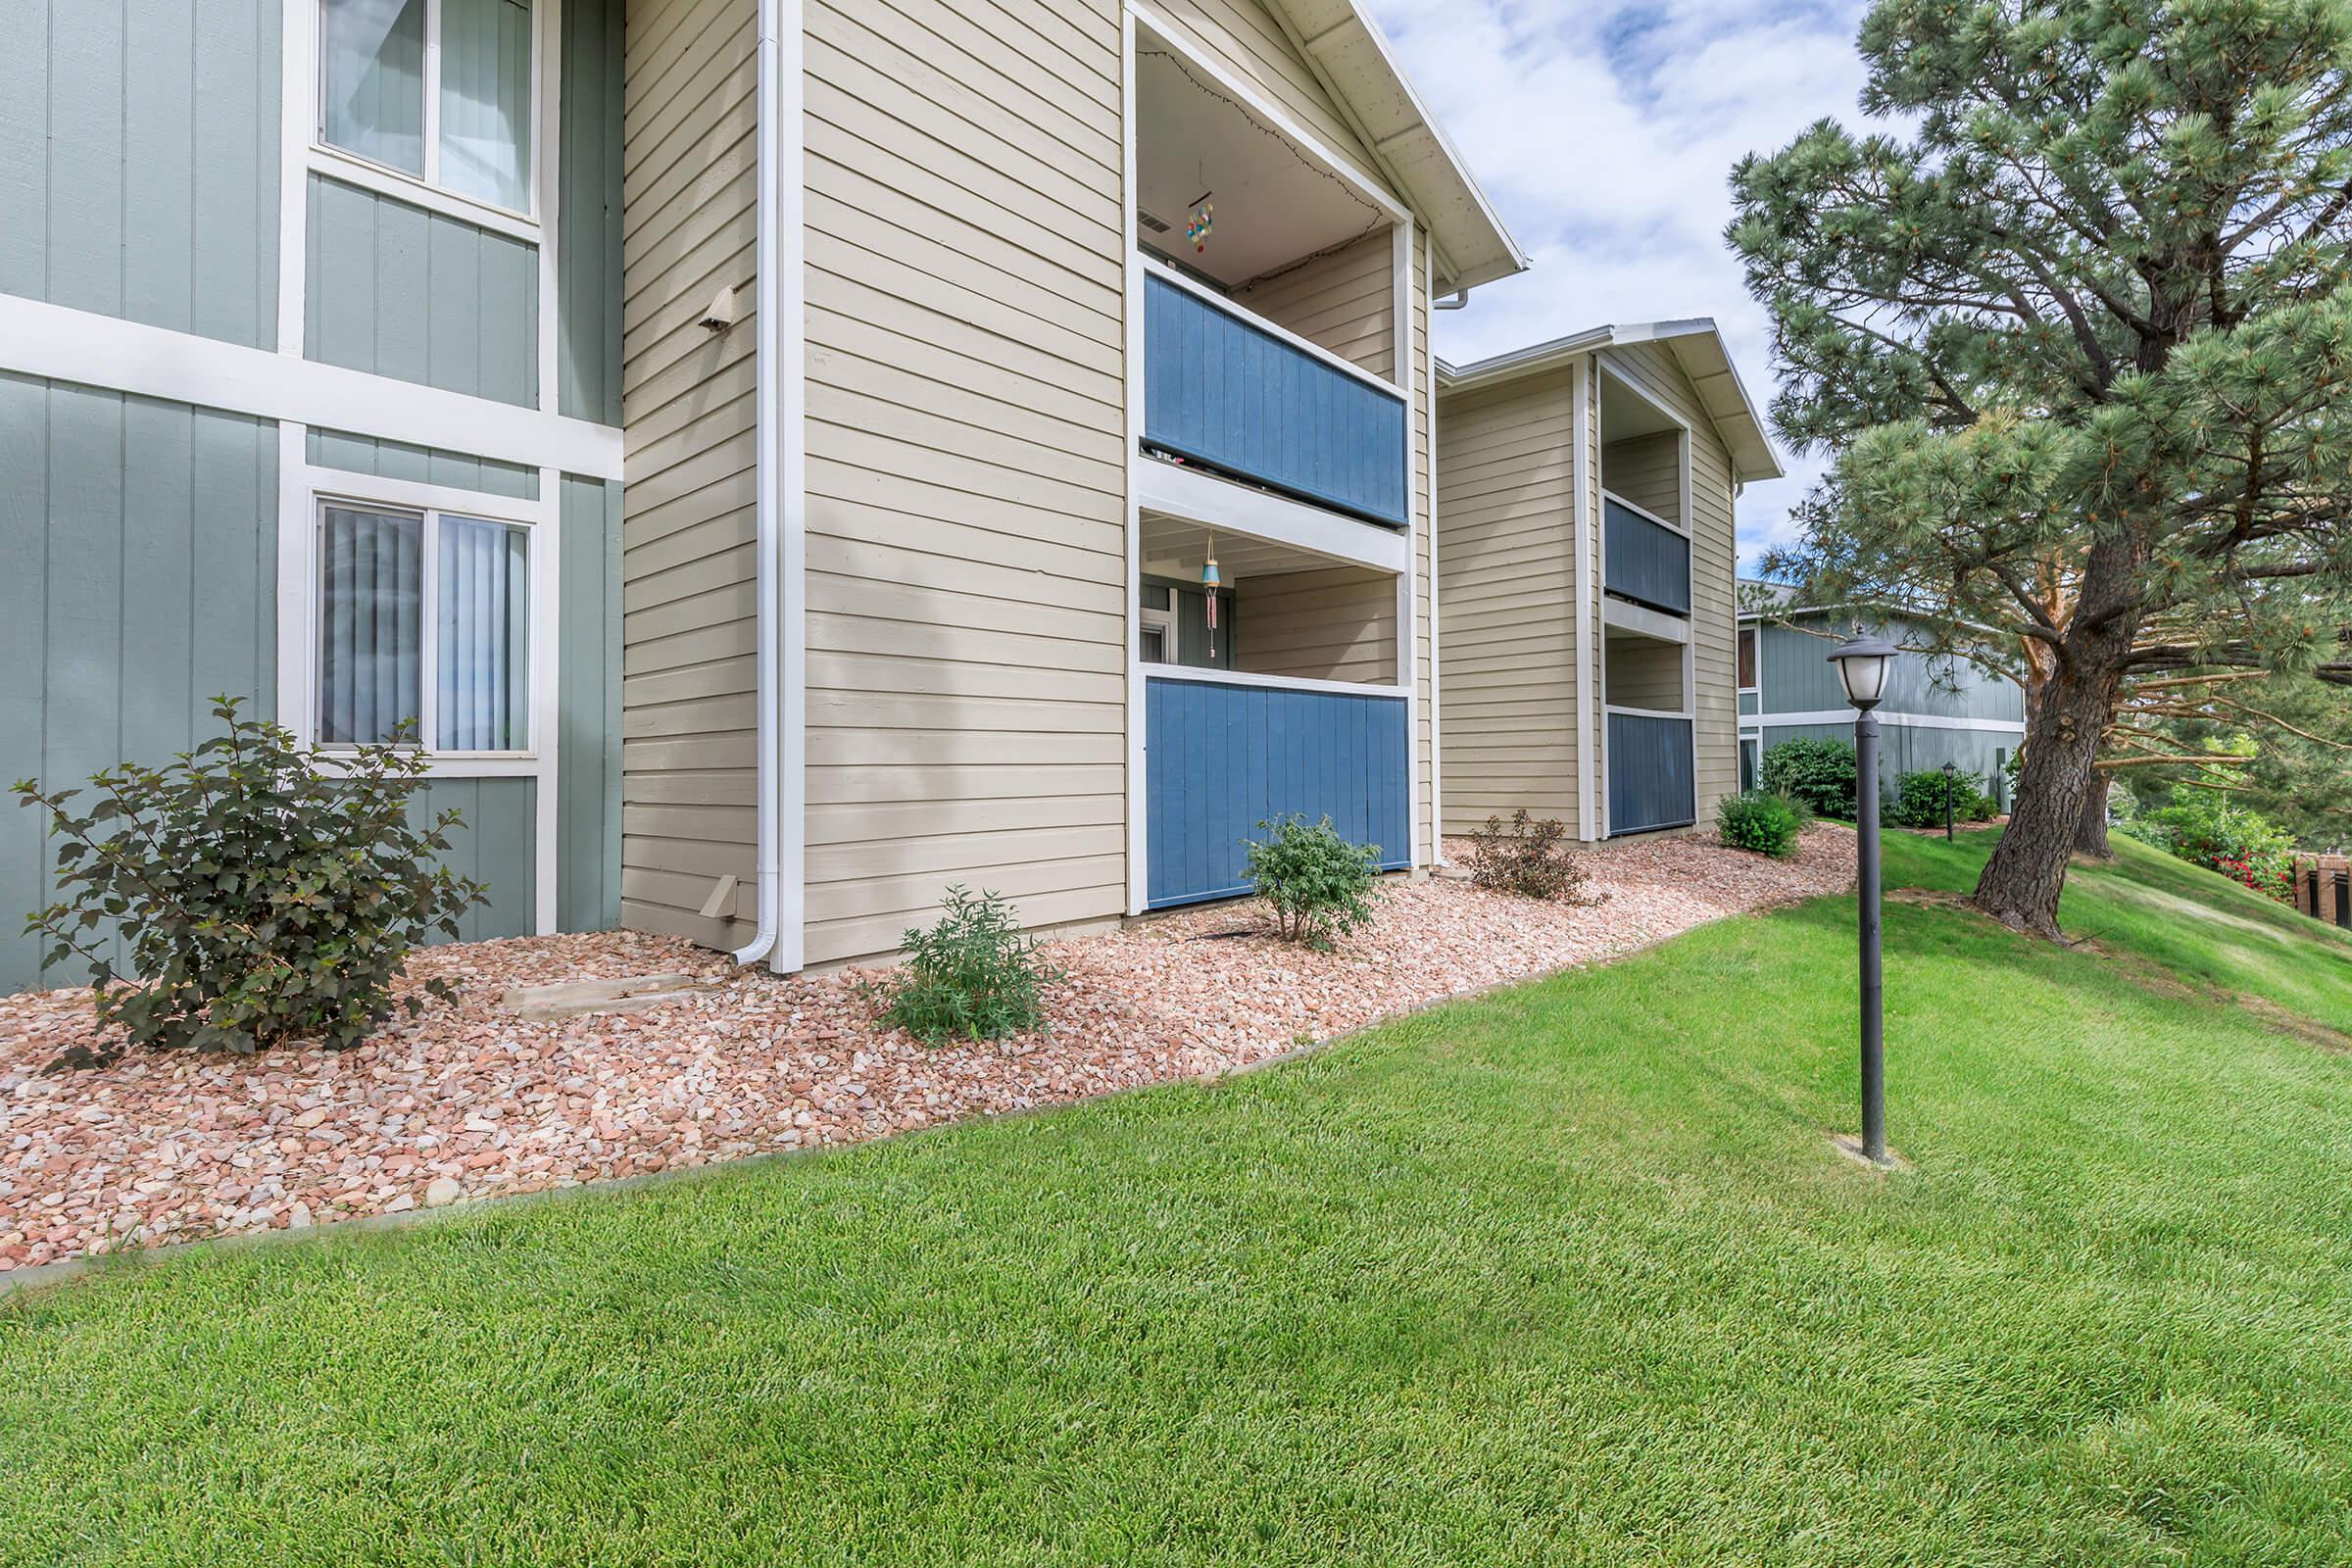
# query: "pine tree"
{"points": [[2078, 337]]}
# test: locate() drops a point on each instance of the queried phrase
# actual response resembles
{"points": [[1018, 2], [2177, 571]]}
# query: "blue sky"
{"points": [[1603, 131]]}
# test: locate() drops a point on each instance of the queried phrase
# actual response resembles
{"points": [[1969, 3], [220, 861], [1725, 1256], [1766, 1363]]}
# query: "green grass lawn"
{"points": [[1566, 1275]]}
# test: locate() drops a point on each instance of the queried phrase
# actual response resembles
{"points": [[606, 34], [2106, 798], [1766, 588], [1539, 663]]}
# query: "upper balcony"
{"points": [[1275, 285], [1240, 396], [1645, 569]]}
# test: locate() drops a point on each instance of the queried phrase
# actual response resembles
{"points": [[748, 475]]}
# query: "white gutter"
{"points": [[776, 373]]}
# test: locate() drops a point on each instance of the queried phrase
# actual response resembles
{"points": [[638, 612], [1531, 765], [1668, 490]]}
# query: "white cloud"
{"points": [[1605, 134]]}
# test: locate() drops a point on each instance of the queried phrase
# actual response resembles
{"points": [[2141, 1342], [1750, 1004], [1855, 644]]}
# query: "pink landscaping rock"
{"points": [[467, 1098]]}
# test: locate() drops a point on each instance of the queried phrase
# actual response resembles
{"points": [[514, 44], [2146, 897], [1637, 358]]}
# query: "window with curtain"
{"points": [[370, 624], [376, 78], [483, 686], [1747, 658], [460, 679]]}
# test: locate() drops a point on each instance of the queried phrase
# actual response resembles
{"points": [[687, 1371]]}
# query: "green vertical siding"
{"points": [[588, 213], [588, 710], [1799, 678], [396, 290], [137, 579], [138, 161], [397, 459], [497, 846]]}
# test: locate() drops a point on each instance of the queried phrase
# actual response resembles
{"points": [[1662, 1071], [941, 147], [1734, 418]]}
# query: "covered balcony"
{"points": [[1649, 746], [1272, 286], [1283, 698]]}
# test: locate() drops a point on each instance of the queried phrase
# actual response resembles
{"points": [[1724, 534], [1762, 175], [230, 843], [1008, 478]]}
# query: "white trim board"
{"points": [[1273, 683], [1197, 495], [1643, 621], [92, 350], [1847, 715]]}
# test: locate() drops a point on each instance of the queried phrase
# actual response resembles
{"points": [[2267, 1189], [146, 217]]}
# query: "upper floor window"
{"points": [[1747, 659], [442, 90]]}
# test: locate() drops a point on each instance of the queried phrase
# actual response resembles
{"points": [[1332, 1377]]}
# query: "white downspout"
{"points": [[768, 313]]}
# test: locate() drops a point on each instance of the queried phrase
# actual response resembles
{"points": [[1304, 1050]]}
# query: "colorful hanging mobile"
{"points": [[1198, 227]]}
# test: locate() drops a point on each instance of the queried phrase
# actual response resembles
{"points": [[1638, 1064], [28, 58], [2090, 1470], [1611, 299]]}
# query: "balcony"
{"points": [[1226, 752], [1652, 773], [1643, 560], [1238, 397]]}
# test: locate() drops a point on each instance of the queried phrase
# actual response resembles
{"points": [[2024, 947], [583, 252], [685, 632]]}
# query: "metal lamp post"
{"points": [[1863, 661], [1951, 777]]}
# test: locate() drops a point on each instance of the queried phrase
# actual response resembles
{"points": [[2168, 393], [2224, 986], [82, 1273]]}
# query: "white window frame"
{"points": [[1163, 622], [426, 190], [298, 677], [1756, 631]]}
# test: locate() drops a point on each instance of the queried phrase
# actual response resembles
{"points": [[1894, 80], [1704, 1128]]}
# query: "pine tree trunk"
{"points": [[2090, 837], [2065, 719]]}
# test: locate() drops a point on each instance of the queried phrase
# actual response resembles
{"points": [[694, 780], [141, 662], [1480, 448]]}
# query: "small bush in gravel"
{"points": [[1761, 821], [1527, 856], [1819, 775], [975, 975], [1919, 799], [1319, 884], [259, 898]]}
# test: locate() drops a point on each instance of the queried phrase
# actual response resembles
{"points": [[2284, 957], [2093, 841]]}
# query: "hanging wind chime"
{"points": [[1209, 583], [1198, 223]]}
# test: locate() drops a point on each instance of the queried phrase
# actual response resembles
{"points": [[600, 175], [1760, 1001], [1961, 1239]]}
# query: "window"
{"points": [[1747, 763], [1747, 659], [439, 89], [1156, 639], [465, 687]]}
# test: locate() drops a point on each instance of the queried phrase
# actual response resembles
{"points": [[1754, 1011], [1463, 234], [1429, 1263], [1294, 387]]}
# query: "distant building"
{"points": [[1936, 711]]}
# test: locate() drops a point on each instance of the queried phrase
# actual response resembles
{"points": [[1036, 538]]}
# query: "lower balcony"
{"points": [[1224, 753], [1280, 688], [1653, 781], [1649, 757]]}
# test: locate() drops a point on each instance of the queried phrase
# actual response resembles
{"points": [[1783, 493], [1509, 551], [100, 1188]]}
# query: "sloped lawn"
{"points": [[1567, 1275]]}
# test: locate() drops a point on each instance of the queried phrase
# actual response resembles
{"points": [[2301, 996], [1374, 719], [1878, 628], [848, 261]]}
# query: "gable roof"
{"points": [[1698, 347], [1346, 50]]}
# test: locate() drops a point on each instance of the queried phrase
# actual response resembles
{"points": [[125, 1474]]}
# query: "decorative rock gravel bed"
{"points": [[468, 1101]]}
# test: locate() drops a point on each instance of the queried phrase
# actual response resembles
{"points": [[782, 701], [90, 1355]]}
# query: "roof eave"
{"points": [[1353, 57]]}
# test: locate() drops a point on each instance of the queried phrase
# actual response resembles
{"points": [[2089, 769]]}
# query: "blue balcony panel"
{"points": [[1220, 758], [1653, 781], [1646, 561], [1223, 392]]}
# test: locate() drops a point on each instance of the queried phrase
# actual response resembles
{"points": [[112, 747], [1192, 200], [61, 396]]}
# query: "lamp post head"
{"points": [[1862, 661]]}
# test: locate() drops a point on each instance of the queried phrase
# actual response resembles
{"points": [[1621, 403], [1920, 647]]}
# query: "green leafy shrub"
{"points": [[1761, 821], [975, 975], [2204, 827], [1319, 884], [262, 898], [1528, 856], [1817, 774], [1919, 799]]}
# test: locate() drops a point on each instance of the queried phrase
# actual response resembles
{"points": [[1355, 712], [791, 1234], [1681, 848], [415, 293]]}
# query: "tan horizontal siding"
{"points": [[1646, 471], [966, 465], [1506, 597], [1643, 673], [1337, 624], [688, 763], [1344, 302]]}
